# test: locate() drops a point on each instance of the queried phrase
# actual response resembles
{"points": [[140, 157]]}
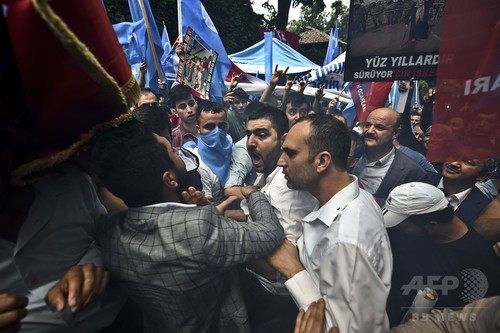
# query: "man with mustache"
{"points": [[382, 167], [459, 181]]}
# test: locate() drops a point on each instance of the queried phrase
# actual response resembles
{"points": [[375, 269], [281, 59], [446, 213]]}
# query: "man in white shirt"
{"points": [[345, 256], [272, 309]]}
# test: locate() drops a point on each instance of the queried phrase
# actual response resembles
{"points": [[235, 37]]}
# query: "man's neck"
{"points": [[330, 185], [191, 128], [375, 154], [456, 186]]}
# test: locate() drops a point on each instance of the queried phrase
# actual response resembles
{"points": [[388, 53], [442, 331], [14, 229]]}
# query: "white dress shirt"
{"points": [[346, 252], [290, 206]]}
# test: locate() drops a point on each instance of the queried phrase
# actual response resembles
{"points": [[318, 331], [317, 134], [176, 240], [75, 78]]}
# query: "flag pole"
{"points": [[151, 41], [179, 20]]}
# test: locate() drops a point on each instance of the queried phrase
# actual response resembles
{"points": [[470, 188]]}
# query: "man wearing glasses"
{"points": [[185, 106]]}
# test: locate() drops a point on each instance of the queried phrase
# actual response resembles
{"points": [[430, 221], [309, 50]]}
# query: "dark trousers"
{"points": [[268, 313]]}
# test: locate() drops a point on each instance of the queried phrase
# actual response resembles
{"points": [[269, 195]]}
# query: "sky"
{"points": [[294, 12]]}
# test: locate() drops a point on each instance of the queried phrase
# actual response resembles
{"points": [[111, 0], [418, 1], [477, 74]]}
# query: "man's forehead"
{"points": [[213, 117], [184, 100], [296, 106], [262, 123]]}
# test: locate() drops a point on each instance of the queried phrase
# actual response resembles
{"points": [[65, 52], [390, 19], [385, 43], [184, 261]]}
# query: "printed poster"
{"points": [[394, 40], [196, 65]]}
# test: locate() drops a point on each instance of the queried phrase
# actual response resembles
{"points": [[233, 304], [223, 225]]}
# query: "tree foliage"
{"points": [[236, 22]]}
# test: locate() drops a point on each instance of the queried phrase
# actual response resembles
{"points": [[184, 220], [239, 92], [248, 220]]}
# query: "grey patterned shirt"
{"points": [[178, 262]]}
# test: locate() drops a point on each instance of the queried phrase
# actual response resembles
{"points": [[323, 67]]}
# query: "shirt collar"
{"points": [[460, 196], [384, 160], [329, 211]]}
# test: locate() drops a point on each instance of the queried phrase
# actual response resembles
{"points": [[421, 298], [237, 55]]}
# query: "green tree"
{"points": [[278, 18], [236, 22]]}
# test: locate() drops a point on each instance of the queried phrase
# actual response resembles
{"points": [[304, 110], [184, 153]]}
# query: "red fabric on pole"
{"points": [[63, 100], [368, 96], [468, 83]]}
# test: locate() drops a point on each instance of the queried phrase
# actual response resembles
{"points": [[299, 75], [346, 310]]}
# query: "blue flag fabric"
{"points": [[330, 76], [268, 51], [333, 50], [131, 36], [194, 15], [165, 41], [393, 98], [415, 98], [136, 12]]}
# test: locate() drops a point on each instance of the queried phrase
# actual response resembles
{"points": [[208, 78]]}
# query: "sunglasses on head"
{"points": [[191, 103]]}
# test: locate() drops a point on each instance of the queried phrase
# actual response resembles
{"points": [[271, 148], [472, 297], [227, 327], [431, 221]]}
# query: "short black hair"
{"points": [[329, 134], [178, 93], [209, 107], [240, 93], [130, 163], [154, 119], [278, 119], [297, 99]]}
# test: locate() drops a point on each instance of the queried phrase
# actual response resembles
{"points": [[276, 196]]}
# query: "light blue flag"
{"points": [[333, 50], [268, 51], [167, 60], [136, 12], [165, 41], [393, 97], [131, 36], [330, 76], [415, 98], [194, 15]]}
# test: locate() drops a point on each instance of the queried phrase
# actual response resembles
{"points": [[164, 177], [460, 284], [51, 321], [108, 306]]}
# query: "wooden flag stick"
{"points": [[151, 42]]}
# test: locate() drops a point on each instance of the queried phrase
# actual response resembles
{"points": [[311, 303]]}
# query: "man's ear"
{"points": [[396, 133], [170, 179], [323, 161]]}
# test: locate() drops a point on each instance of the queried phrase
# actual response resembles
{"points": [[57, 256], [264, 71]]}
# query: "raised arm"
{"points": [[266, 95]]}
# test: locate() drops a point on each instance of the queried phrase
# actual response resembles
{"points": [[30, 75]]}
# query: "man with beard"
{"points": [[271, 309], [176, 261], [382, 167], [344, 254]]}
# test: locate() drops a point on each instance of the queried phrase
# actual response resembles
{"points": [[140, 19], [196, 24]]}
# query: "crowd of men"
{"points": [[253, 216]]}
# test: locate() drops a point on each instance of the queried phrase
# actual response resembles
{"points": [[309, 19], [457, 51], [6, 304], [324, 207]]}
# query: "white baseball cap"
{"points": [[412, 199]]}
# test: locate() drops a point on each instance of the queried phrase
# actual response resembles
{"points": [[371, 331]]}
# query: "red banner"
{"points": [[466, 111], [73, 73], [368, 96]]}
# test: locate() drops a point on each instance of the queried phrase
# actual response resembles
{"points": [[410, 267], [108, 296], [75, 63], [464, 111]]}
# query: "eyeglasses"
{"points": [[240, 101], [191, 103]]}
